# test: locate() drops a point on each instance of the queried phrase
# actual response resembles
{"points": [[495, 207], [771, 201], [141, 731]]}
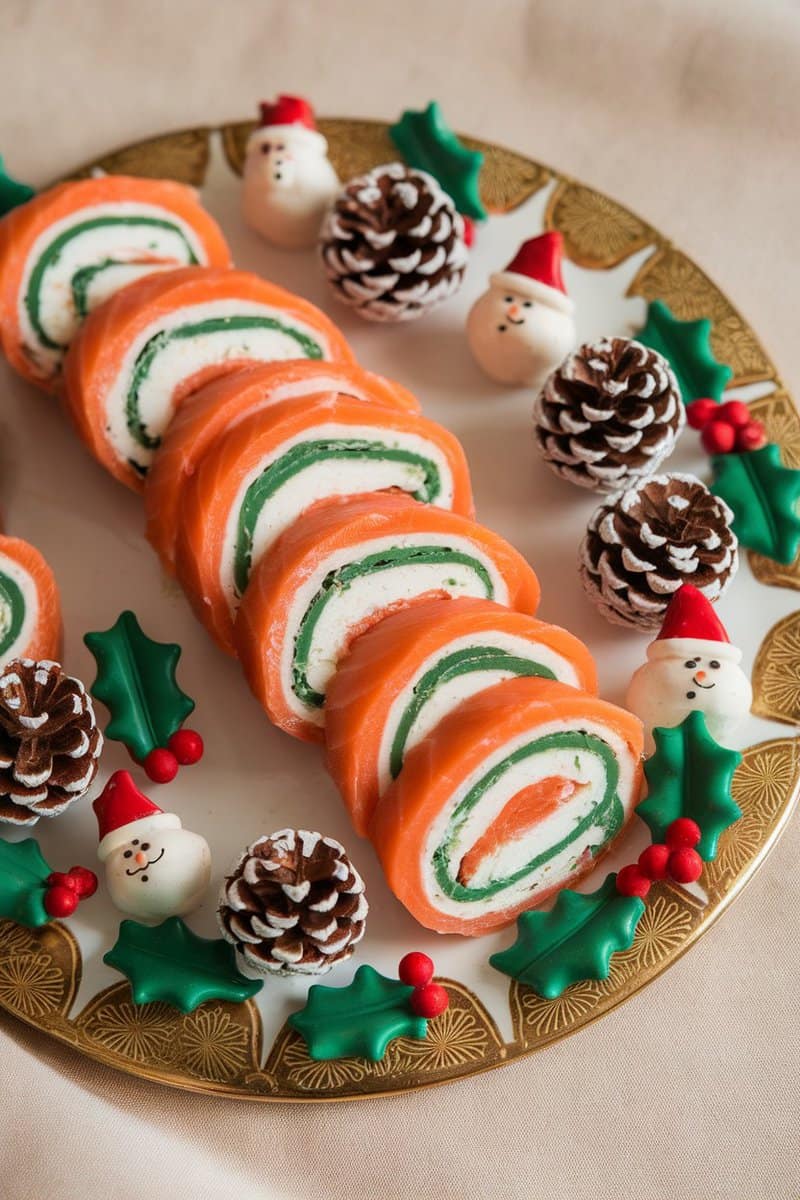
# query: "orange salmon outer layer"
{"points": [[384, 661], [47, 636], [458, 745], [94, 358], [20, 229], [227, 400], [326, 528], [209, 496]]}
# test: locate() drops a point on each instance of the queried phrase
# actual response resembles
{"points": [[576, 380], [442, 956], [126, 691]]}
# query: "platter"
{"points": [[90, 530]]}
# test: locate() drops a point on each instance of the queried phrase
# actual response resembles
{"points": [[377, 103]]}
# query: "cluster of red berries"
{"points": [[428, 999], [676, 859], [725, 428], [65, 889], [184, 748]]}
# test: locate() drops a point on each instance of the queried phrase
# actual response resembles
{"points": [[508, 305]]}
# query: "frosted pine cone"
{"points": [[644, 543], [49, 741], [294, 903], [393, 244], [609, 415]]}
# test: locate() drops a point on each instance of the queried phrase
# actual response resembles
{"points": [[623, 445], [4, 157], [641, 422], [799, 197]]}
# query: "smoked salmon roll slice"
{"points": [[70, 248], [266, 470], [30, 609], [223, 402], [411, 669], [151, 345], [513, 795], [342, 567]]}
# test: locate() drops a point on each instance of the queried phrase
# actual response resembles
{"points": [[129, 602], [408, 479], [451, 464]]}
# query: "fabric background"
{"points": [[688, 112]]}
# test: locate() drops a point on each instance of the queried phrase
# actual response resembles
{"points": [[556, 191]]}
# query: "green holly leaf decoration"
{"points": [[763, 495], [689, 775], [357, 1021], [427, 142], [23, 882], [136, 682], [573, 941], [168, 962], [12, 192], [686, 346]]}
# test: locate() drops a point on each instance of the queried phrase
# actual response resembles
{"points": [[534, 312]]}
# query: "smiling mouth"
{"points": [[511, 320], [139, 870], [705, 686]]}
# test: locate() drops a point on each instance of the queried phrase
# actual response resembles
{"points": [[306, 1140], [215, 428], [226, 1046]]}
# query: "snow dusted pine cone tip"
{"points": [[393, 244], [49, 741], [642, 544], [609, 415], [293, 904]]}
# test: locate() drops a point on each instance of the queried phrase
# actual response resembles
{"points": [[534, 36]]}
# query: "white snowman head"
{"points": [[154, 868], [523, 326], [288, 181], [691, 666]]}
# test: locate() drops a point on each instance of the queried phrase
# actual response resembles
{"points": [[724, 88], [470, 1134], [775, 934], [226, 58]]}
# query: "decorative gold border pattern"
{"points": [[217, 1049]]}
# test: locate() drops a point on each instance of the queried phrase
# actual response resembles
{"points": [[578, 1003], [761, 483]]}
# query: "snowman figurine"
{"points": [[691, 665], [523, 327], [154, 867], [288, 181]]}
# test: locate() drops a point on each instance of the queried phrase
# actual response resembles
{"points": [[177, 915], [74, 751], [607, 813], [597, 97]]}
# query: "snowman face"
{"points": [[278, 164], [694, 677], [161, 873], [516, 339]]}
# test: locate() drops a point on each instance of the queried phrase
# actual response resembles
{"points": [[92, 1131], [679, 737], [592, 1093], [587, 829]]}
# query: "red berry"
{"points": [[187, 746], [161, 765], [683, 832], [59, 879], [718, 437], [60, 901], [469, 232], [653, 861], [685, 865], [83, 881], [416, 969], [752, 436], [430, 1000], [631, 882], [700, 412], [736, 413]]}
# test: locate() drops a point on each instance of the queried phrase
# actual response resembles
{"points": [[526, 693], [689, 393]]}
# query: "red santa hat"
{"points": [[535, 272], [123, 813], [692, 627], [288, 117]]}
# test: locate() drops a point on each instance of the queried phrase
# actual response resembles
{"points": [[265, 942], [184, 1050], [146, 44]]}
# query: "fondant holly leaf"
{"points": [[23, 882], [763, 495], [168, 962], [357, 1021], [136, 682], [12, 192], [686, 346], [689, 775], [571, 942], [427, 142]]}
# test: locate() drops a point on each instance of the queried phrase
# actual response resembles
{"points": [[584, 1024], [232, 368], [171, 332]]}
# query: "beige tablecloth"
{"points": [[689, 112]]}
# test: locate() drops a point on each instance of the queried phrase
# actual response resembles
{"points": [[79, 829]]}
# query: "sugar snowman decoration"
{"points": [[691, 666], [522, 327], [289, 182], [154, 868]]}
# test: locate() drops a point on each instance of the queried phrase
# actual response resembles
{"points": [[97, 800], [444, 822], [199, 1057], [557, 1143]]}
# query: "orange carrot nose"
{"points": [[514, 310], [141, 859], [700, 675]]}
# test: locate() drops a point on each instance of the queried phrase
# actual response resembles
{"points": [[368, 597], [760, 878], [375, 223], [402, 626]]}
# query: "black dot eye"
{"points": [[714, 664], [280, 146], [527, 304], [128, 854], [145, 845], [135, 842], [265, 149], [691, 663], [501, 328], [509, 299], [691, 695]]}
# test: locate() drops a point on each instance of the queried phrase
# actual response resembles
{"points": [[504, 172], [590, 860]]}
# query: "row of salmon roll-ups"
{"points": [[323, 531]]}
